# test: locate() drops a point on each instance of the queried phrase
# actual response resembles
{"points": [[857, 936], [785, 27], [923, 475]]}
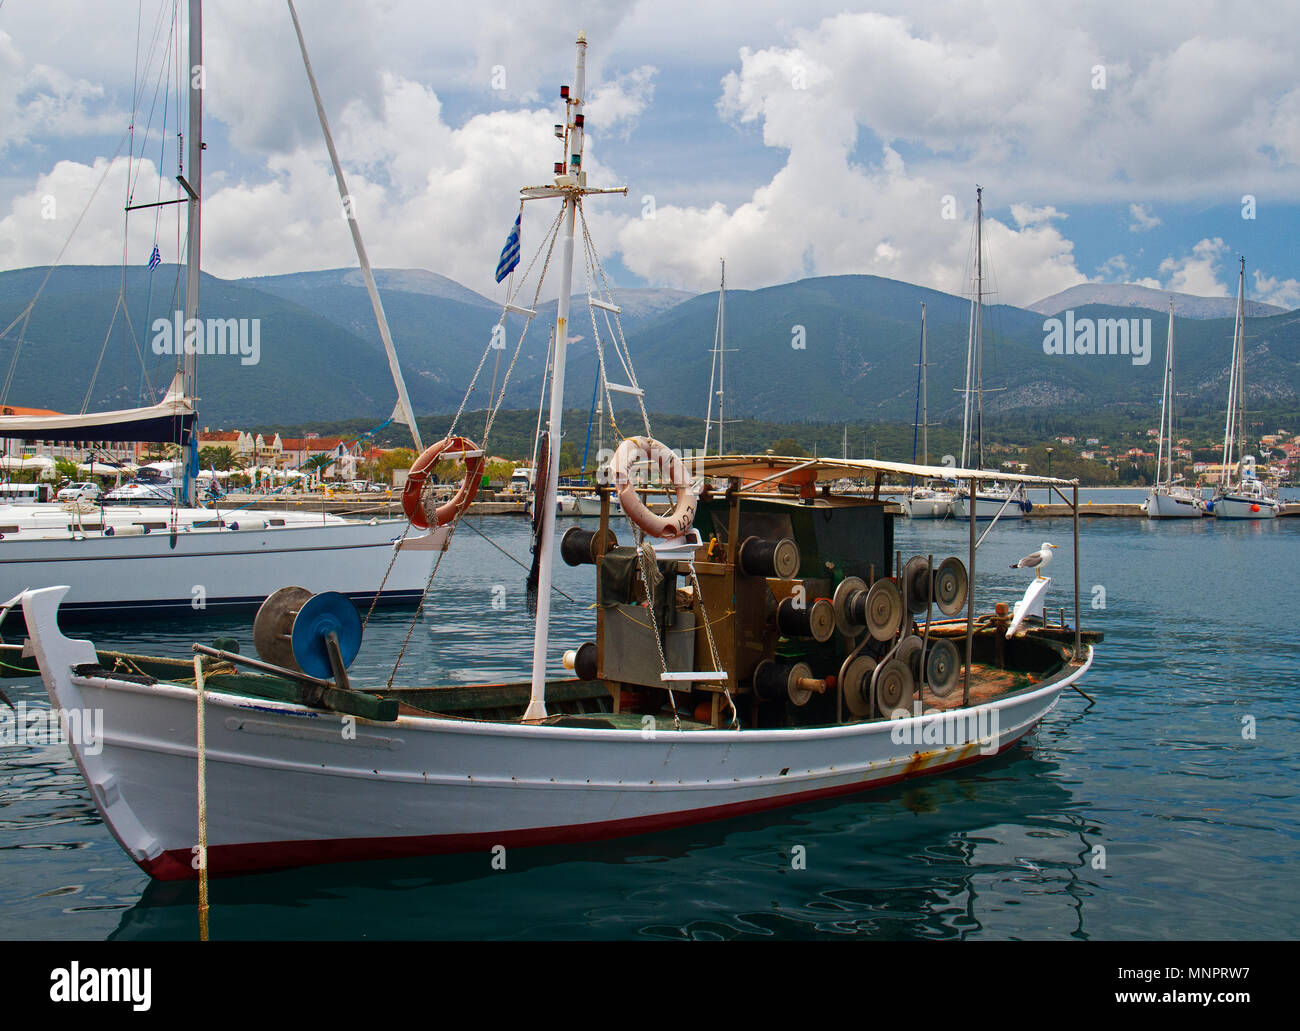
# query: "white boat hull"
{"points": [[1230, 507], [932, 507], [1162, 505], [986, 507], [214, 570], [287, 787]]}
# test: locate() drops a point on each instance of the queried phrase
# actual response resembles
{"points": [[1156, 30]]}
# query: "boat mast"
{"points": [[403, 409], [718, 364], [193, 186], [1165, 413], [1234, 384], [1241, 365], [979, 323], [570, 185], [925, 417]]}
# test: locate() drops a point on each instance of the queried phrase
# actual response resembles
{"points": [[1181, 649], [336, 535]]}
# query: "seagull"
{"points": [[1038, 560]]}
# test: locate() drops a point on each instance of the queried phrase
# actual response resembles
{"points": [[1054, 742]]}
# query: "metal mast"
{"points": [[979, 324], [193, 186], [718, 368], [570, 186]]}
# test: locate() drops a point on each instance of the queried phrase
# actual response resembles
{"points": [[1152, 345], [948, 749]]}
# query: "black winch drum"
{"points": [[774, 558], [895, 687], [579, 547], [774, 680], [815, 619], [855, 685]]}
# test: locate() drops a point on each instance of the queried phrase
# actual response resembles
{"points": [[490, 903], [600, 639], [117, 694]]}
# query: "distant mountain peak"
{"points": [[1130, 295]]}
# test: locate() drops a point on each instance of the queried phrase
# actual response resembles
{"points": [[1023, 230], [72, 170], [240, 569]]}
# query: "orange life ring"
{"points": [[635, 449], [412, 493]]}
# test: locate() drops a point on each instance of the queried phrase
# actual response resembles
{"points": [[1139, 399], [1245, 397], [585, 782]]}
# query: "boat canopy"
{"points": [[171, 420], [750, 468]]}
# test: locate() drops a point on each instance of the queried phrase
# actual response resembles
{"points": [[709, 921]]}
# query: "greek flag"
{"points": [[510, 252], [155, 259]]}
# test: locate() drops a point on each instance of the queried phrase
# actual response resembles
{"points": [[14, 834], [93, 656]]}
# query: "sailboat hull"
{"points": [[213, 571], [1162, 505], [935, 507], [1231, 507], [287, 786], [986, 507]]}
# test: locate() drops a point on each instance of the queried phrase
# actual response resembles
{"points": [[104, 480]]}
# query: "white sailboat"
{"points": [[1246, 496], [994, 499], [682, 710], [925, 500], [1168, 498], [153, 554]]}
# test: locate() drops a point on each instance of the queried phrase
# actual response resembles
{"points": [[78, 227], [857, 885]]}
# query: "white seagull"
{"points": [[1038, 560]]}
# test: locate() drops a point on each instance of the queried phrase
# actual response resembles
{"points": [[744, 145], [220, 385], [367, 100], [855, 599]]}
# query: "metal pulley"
{"points": [[855, 685], [849, 603], [916, 578], [909, 653], [942, 667], [950, 586], [884, 610], [895, 687]]}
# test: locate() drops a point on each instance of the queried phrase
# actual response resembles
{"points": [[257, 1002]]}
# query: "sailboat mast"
{"points": [[979, 322], [722, 360], [570, 183], [404, 409], [1166, 407], [925, 418], [193, 186], [1230, 424], [715, 368], [1241, 362]]}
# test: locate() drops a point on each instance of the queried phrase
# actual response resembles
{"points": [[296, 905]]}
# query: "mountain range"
{"points": [[836, 348]]}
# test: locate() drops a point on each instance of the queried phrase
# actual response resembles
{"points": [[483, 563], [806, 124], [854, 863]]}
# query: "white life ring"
{"points": [[639, 449]]}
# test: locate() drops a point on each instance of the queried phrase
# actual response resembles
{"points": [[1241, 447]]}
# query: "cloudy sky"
{"points": [[1119, 141]]}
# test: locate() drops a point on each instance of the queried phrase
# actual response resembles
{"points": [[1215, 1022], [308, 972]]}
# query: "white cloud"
{"points": [[1285, 293], [1143, 220], [1196, 273]]}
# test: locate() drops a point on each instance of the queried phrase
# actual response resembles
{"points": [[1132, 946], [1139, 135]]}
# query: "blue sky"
{"points": [[1114, 142]]}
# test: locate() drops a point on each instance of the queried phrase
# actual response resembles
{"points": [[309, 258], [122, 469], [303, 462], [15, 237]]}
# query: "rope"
{"points": [[516, 561], [713, 647], [203, 801]]}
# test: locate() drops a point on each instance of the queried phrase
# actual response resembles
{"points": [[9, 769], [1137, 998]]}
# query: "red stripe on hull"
{"points": [[263, 856]]}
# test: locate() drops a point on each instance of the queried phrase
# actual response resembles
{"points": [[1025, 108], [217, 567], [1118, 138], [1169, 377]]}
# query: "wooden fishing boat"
{"points": [[761, 645]]}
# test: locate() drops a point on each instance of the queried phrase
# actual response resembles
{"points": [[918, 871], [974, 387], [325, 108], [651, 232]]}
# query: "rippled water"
{"points": [[1197, 825]]}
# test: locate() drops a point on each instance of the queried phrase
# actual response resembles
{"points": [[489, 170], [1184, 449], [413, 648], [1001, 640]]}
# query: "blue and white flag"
{"points": [[155, 259], [510, 252]]}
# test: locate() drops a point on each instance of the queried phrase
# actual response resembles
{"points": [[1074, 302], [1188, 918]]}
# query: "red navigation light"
{"points": [[559, 168], [564, 92], [579, 120]]}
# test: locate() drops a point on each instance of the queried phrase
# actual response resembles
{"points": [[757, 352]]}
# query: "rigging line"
{"points": [[483, 358], [420, 607], [24, 316], [519, 346], [516, 561]]}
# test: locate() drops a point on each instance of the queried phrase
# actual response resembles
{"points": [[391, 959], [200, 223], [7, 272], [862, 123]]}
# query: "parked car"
{"points": [[80, 492]]}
